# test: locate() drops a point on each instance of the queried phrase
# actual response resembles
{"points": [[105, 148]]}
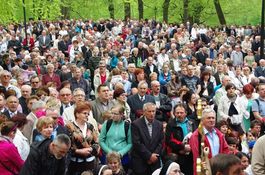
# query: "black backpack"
{"points": [[252, 117], [126, 127]]}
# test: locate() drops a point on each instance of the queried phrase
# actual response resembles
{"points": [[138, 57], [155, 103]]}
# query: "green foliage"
{"points": [[235, 12]]}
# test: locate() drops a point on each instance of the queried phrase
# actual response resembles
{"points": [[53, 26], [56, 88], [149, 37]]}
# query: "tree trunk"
{"points": [[165, 10], [141, 9], [185, 12], [127, 10], [219, 12], [111, 9]]}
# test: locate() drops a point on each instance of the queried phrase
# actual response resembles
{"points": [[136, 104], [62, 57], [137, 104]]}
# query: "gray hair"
{"points": [[142, 83], [78, 89], [53, 109], [154, 82], [147, 104], [208, 110], [38, 105], [49, 65], [62, 138]]}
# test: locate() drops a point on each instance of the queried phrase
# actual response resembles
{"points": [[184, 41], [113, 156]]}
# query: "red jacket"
{"points": [[194, 146], [31, 42]]}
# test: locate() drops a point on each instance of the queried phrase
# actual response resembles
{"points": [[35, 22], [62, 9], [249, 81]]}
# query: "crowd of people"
{"points": [[121, 96]]}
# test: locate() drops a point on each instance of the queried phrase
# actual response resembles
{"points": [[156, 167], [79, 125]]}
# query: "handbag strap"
{"points": [[8, 168]]}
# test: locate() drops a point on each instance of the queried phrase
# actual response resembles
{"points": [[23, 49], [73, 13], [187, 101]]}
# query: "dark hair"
{"points": [[177, 76], [10, 92], [222, 123], [229, 86], [139, 113], [231, 140], [254, 122], [187, 96], [65, 83], [7, 127], [172, 156], [259, 86], [100, 86], [181, 105], [204, 73], [219, 165], [241, 154], [20, 119], [118, 92]]}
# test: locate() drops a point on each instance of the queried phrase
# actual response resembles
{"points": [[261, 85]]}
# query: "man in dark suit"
{"points": [[219, 74], [150, 67], [65, 97], [8, 64], [260, 70], [136, 31], [14, 44], [25, 92], [44, 41], [208, 62], [70, 74], [201, 56], [110, 24], [137, 101], [63, 45], [53, 36], [12, 104], [147, 138], [85, 47], [39, 69], [163, 104]]}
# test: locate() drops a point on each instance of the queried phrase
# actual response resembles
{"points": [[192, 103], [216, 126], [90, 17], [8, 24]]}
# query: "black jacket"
{"points": [[147, 70], [165, 106], [174, 138], [209, 88], [41, 162]]}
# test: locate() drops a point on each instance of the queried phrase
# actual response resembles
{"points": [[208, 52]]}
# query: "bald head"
{"points": [[26, 91]]}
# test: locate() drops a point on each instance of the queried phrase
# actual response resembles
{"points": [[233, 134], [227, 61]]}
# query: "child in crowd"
{"points": [[223, 127], [232, 145]]}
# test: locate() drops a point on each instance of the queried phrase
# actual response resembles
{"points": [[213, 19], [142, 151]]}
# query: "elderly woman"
{"points": [[247, 75], [20, 141], [84, 140], [120, 98], [230, 108], [139, 76], [116, 136], [162, 58], [53, 92], [44, 126], [9, 155], [246, 45], [51, 77], [135, 58], [246, 103]]}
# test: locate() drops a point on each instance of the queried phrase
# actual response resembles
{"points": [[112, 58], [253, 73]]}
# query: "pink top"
{"points": [[10, 157]]}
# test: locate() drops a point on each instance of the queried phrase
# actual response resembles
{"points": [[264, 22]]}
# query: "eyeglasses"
{"points": [[65, 95], [34, 82], [5, 75], [79, 95]]}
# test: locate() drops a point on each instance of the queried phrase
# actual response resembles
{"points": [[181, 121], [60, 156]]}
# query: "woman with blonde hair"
{"points": [[45, 126], [116, 136], [114, 161]]}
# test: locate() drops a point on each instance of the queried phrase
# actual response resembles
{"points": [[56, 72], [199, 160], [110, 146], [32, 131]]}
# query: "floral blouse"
{"points": [[79, 142]]}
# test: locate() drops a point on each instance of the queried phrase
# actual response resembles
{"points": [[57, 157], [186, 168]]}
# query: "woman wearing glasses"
{"points": [[116, 136], [84, 140]]}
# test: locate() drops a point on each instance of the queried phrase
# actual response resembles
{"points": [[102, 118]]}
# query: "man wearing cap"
{"points": [[44, 41], [63, 45], [14, 44]]}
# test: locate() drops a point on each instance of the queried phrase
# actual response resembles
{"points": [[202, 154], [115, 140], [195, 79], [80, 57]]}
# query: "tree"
{"points": [[165, 10], [127, 9], [219, 12], [141, 9], [111, 8]]}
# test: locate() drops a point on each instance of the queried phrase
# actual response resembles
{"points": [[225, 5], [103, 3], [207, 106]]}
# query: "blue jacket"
{"points": [[161, 79]]}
